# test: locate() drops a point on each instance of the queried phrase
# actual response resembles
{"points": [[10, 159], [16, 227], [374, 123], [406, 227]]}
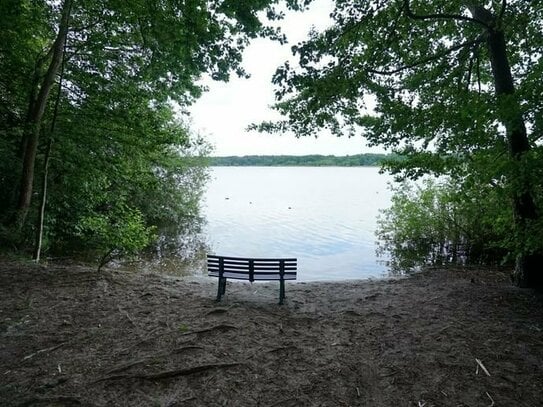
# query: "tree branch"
{"points": [[427, 59], [440, 16], [502, 10], [470, 70], [388, 38], [479, 73]]}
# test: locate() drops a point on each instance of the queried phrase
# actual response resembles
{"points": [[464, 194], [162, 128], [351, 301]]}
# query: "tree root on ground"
{"points": [[167, 373]]}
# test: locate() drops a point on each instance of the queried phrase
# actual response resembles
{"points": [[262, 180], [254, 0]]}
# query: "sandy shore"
{"points": [[440, 338]]}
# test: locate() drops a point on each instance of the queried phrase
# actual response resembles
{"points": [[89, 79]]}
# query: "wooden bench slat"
{"points": [[226, 258], [242, 272], [246, 267], [259, 277]]}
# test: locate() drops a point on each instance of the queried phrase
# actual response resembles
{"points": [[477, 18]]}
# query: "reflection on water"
{"points": [[324, 216], [180, 251]]}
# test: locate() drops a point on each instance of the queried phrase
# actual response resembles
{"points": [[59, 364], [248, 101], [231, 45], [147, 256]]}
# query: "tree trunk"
{"points": [[35, 117], [41, 216], [524, 208]]}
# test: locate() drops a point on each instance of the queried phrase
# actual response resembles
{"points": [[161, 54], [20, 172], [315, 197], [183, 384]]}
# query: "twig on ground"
{"points": [[221, 327], [479, 363], [51, 400], [142, 340], [391, 373], [218, 311], [288, 347], [280, 402], [54, 383], [186, 348], [125, 313], [52, 348], [443, 329], [209, 379], [128, 365], [125, 366], [491, 399], [184, 400]]}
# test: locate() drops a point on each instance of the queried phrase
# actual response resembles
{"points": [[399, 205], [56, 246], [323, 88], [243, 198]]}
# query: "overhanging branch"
{"points": [[428, 59], [440, 16], [502, 10]]}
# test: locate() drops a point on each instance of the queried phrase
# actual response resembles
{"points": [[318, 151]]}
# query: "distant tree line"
{"points": [[314, 160]]}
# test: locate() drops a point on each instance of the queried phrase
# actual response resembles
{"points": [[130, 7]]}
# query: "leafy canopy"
{"points": [[422, 87], [122, 161]]}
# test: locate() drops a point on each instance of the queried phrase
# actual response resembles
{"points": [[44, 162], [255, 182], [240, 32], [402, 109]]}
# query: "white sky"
{"points": [[222, 114]]}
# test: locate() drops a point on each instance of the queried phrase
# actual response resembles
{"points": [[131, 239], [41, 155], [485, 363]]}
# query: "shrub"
{"points": [[441, 222]]}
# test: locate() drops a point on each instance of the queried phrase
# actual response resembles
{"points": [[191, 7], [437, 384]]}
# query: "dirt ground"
{"points": [[71, 337]]}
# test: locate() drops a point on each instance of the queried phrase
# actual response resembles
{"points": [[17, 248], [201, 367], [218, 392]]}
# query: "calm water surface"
{"points": [[324, 216]]}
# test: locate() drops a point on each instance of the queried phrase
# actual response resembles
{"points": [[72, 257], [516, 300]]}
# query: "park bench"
{"points": [[240, 268]]}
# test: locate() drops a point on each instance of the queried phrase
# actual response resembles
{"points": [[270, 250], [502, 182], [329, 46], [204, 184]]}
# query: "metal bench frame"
{"points": [[252, 269]]}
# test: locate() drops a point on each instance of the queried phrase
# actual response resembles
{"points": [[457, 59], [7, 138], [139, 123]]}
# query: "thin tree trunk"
{"points": [[36, 115], [524, 208], [43, 201], [41, 217], [36, 76]]}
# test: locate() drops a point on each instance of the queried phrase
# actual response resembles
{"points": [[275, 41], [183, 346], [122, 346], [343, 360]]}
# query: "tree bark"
{"points": [[526, 272], [36, 112]]}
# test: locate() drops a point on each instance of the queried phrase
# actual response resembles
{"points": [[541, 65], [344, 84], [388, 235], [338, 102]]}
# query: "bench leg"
{"points": [[222, 288], [281, 291]]}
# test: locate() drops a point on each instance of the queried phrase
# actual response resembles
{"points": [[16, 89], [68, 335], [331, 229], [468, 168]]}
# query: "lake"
{"points": [[324, 216]]}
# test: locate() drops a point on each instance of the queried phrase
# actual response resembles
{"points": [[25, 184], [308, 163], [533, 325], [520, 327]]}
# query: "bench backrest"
{"points": [[251, 269]]}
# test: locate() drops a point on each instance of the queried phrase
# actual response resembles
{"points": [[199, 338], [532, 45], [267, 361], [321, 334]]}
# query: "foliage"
{"points": [[122, 162], [436, 223], [119, 231], [303, 160], [410, 85], [456, 219]]}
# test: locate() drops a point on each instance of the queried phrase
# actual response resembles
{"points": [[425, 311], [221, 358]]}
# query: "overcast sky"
{"points": [[222, 114]]}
